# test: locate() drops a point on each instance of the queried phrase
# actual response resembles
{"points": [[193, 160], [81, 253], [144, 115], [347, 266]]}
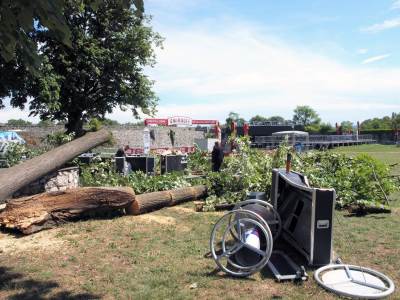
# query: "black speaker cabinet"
{"points": [[307, 215], [86, 158], [145, 164], [172, 163]]}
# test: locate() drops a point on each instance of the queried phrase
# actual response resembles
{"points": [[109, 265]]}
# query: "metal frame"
{"points": [[292, 264], [257, 220], [278, 221], [386, 291]]}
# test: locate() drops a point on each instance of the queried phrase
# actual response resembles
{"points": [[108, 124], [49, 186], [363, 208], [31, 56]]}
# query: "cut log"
{"points": [[42, 211], [47, 210], [16, 177], [151, 201]]}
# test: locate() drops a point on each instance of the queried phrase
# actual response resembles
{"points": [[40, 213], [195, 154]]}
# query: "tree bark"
{"points": [[152, 201], [16, 177], [75, 124], [47, 210]]}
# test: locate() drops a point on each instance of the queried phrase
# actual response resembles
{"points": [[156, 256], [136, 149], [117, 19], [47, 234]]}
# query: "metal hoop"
{"points": [[232, 267], [386, 290], [277, 222]]}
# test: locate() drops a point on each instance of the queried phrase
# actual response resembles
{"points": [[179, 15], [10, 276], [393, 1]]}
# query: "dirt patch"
{"points": [[163, 220], [186, 210], [45, 240], [396, 211]]}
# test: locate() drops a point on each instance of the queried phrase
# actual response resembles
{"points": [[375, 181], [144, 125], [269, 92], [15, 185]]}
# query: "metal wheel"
{"points": [[266, 211], [241, 243], [354, 281]]}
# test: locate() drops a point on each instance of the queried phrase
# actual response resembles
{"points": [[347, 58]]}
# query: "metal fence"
{"points": [[314, 139]]}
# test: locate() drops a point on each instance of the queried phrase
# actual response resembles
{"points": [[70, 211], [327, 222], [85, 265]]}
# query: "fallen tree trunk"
{"points": [[16, 177], [47, 210], [151, 201]]}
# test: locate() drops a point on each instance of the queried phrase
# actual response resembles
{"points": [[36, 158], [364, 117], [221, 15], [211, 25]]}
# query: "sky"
{"points": [[266, 57]]}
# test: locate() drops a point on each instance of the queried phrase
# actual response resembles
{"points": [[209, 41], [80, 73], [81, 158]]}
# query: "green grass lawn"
{"points": [[161, 256]]}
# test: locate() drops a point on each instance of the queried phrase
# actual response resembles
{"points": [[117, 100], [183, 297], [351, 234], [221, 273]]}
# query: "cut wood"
{"points": [[16, 177], [42, 211], [47, 210], [151, 201]]}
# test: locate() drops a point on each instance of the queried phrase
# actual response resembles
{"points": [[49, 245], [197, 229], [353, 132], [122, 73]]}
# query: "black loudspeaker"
{"points": [[173, 163], [306, 214], [145, 164], [86, 158]]}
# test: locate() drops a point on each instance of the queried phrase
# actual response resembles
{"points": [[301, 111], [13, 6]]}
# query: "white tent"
{"points": [[290, 133]]}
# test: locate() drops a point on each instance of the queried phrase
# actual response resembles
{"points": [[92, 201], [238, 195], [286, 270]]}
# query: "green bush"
{"points": [[95, 124], [58, 138], [103, 174], [360, 183], [18, 152]]}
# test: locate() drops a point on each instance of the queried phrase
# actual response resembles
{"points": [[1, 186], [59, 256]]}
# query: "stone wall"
{"points": [[123, 135], [134, 136], [60, 180]]}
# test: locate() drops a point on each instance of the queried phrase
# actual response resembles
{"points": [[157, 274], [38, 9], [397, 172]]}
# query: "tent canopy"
{"points": [[290, 133]]}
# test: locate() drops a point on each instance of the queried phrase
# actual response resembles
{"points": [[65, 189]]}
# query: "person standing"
{"points": [[217, 157], [122, 165]]}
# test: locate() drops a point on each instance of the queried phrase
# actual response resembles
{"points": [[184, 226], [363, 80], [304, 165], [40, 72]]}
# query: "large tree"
{"points": [[18, 18], [102, 68], [306, 116], [347, 126], [18, 122], [384, 123], [233, 116], [257, 118]]}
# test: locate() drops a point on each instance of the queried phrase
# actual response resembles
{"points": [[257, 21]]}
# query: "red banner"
{"points": [[163, 122], [178, 121], [204, 122]]}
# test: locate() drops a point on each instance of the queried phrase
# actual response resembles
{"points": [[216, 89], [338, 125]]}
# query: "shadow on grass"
{"points": [[217, 273], [14, 286]]}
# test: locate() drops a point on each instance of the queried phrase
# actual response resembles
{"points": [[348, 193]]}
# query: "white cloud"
{"points": [[237, 67], [14, 113], [362, 51], [214, 67], [375, 58], [387, 24], [395, 5]]}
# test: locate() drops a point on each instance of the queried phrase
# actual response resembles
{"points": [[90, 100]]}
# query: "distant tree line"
{"points": [[94, 122], [307, 117]]}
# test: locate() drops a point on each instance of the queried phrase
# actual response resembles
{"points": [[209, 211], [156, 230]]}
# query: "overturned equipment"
{"points": [[241, 241], [299, 215], [297, 223]]}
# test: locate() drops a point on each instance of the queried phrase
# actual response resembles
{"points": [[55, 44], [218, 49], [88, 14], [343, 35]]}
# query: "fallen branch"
{"points": [[18, 176], [380, 186]]}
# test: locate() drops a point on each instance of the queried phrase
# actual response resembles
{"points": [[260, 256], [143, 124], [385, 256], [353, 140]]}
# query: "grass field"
{"points": [[161, 256]]}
